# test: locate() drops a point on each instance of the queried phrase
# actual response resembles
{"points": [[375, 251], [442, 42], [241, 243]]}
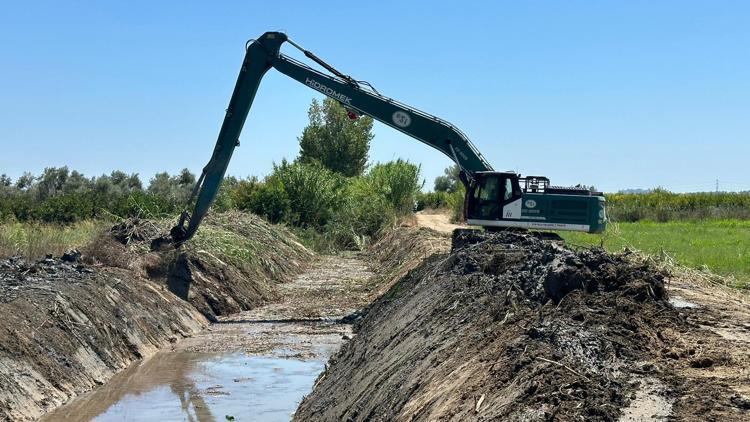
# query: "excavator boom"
{"points": [[263, 54], [493, 199]]}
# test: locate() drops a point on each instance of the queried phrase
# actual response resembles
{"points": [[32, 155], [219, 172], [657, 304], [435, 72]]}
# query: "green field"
{"points": [[722, 246]]}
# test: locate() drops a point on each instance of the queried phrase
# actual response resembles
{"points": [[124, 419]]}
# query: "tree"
{"points": [[449, 181], [51, 182], [76, 182], [25, 182], [334, 140], [6, 186], [175, 189]]}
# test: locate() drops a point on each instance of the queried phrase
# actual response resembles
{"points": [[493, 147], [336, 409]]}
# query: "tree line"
{"points": [[329, 190], [64, 196]]}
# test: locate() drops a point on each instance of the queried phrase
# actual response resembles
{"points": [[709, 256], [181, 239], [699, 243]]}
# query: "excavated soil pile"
{"points": [[67, 327], [510, 327], [232, 265]]}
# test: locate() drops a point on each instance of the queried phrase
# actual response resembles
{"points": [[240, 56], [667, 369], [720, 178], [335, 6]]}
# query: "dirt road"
{"points": [[438, 220]]}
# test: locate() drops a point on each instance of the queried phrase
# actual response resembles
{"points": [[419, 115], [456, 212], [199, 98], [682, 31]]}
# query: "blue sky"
{"points": [[629, 94]]}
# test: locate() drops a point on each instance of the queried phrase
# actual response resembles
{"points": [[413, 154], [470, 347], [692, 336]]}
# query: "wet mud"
{"points": [[510, 327]]}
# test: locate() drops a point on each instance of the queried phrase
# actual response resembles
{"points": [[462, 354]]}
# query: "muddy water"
{"points": [[255, 365], [199, 383]]}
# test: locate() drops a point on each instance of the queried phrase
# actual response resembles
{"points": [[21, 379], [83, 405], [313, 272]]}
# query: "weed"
{"points": [[36, 240]]}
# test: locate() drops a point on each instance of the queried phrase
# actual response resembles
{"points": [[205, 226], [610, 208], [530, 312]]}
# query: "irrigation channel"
{"points": [[254, 365]]}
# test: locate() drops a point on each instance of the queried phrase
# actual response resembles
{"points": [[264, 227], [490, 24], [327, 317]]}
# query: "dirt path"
{"points": [[438, 220], [255, 364]]}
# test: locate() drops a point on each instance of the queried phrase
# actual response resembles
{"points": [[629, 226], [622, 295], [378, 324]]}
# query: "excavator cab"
{"points": [[501, 200], [490, 194]]}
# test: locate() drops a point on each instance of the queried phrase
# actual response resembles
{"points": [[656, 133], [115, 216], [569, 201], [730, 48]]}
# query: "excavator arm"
{"points": [[357, 97]]}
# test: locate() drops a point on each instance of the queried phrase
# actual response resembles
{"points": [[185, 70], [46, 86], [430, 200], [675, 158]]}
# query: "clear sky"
{"points": [[628, 94]]}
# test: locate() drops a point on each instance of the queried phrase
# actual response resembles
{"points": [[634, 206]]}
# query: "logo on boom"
{"points": [[328, 91]]}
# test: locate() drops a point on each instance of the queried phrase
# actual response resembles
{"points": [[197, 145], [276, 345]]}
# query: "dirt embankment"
{"points": [[233, 263], [70, 325], [401, 250], [508, 327], [67, 328]]}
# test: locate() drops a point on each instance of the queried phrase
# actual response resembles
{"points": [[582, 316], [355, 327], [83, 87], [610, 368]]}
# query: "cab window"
{"points": [[508, 193], [489, 189]]}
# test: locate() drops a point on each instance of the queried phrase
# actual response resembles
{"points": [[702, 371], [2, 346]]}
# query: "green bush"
{"points": [[67, 208], [362, 214], [331, 211], [143, 205], [456, 203], [432, 200], [295, 193], [268, 199], [61, 196], [313, 190], [398, 182]]}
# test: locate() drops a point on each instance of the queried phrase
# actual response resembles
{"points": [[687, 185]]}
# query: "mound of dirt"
{"points": [[232, 264], [510, 327]]}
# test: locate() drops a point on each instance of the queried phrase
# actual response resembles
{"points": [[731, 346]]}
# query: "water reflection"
{"points": [[180, 386]]}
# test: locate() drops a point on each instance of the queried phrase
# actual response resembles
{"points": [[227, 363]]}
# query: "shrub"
{"points": [[662, 205], [362, 214], [313, 192], [295, 193], [271, 200], [432, 200], [456, 203], [140, 204], [398, 182]]}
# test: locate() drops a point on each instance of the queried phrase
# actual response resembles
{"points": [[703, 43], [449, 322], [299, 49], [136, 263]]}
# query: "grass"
{"points": [[720, 246], [36, 240], [246, 240]]}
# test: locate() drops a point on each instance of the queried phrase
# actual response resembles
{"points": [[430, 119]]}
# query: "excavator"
{"points": [[494, 200]]}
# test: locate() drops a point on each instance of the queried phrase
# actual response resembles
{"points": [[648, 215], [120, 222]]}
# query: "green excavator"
{"points": [[494, 200]]}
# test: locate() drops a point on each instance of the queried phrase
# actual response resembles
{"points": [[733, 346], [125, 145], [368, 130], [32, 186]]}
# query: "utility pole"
{"points": [[717, 185]]}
